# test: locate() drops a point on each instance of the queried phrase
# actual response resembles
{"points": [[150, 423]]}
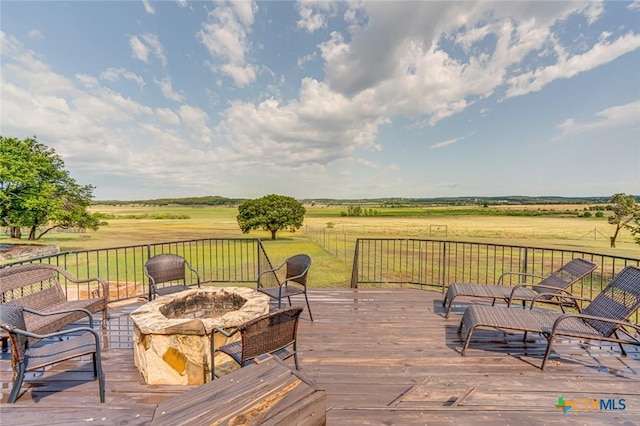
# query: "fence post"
{"points": [[525, 260]]}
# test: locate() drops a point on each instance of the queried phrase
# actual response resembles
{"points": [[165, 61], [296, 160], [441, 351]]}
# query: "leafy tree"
{"points": [[37, 192], [625, 211], [271, 213]]}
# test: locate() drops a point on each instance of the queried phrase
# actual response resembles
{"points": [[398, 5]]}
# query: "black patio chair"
{"points": [[294, 281], [274, 333], [77, 342], [169, 269]]}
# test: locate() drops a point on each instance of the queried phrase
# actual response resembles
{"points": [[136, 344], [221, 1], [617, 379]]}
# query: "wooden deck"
{"points": [[383, 356]]}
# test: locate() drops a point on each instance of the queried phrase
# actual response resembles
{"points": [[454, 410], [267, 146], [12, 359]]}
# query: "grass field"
{"points": [[130, 225]]}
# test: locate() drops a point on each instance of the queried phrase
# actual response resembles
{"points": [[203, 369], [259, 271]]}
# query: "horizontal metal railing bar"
{"points": [[217, 260]]}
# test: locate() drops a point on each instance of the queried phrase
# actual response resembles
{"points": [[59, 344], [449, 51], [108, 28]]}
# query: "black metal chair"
{"points": [[294, 282], [77, 342], [168, 268], [274, 333]]}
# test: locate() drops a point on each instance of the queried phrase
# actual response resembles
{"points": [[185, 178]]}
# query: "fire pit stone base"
{"points": [[172, 334]]}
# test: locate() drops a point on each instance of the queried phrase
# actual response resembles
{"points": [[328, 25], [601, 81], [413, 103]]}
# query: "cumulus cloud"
{"points": [[196, 122], [79, 117], [567, 66], [225, 35], [313, 14], [145, 45], [166, 87], [615, 116]]}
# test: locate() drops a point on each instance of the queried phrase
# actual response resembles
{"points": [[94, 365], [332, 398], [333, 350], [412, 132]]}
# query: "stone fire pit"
{"points": [[172, 334]]}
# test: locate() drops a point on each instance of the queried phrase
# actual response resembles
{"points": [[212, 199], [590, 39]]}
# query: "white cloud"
{"points": [[403, 52], [445, 143], [35, 34], [312, 14], [167, 116], [166, 87], [634, 5], [568, 66], [196, 122], [225, 35], [306, 58], [616, 116], [115, 74], [147, 7], [182, 3], [145, 45]]}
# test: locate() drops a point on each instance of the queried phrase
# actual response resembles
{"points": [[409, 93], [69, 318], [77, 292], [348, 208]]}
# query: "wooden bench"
{"points": [[37, 286]]}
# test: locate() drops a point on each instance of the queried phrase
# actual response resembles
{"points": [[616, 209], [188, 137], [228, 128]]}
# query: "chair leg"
{"points": [[468, 339], [97, 365], [17, 384], [449, 308], [295, 355], [547, 353], [624, 352], [308, 306], [213, 360]]}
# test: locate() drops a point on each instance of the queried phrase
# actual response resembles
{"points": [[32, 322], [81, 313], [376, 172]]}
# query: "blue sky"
{"points": [[359, 99]]}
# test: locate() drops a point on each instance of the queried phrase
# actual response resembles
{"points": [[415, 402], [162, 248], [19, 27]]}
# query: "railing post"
{"points": [[525, 260], [354, 269], [444, 264]]}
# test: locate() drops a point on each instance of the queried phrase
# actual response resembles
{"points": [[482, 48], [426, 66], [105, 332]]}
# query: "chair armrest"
{"points": [[565, 296], [522, 274], [268, 271], [193, 270], [592, 317], [55, 334], [102, 282], [557, 290], [225, 332], [64, 311], [293, 278]]}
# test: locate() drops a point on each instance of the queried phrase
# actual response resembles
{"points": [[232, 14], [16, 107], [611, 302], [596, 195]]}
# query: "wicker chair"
{"points": [[604, 319], [169, 269], [274, 333], [26, 357], [554, 286], [295, 280]]}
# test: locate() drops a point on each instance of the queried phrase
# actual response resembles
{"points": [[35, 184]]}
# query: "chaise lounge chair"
{"points": [[605, 318], [554, 285]]}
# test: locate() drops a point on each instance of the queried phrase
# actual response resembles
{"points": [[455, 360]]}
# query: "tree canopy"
{"points": [[625, 212], [271, 213], [37, 192]]}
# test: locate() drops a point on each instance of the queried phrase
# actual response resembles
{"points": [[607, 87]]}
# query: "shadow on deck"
{"points": [[383, 356]]}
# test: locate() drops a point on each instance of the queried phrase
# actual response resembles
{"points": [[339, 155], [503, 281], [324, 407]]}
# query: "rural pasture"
{"points": [[330, 237]]}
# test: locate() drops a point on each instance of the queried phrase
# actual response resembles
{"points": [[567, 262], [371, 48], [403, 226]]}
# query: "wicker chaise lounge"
{"points": [[554, 285], [604, 319]]}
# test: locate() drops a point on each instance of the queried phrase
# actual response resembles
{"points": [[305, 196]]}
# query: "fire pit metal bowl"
{"points": [[172, 334]]}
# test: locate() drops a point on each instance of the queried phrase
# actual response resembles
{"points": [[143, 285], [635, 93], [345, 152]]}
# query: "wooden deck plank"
{"points": [[384, 356]]}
